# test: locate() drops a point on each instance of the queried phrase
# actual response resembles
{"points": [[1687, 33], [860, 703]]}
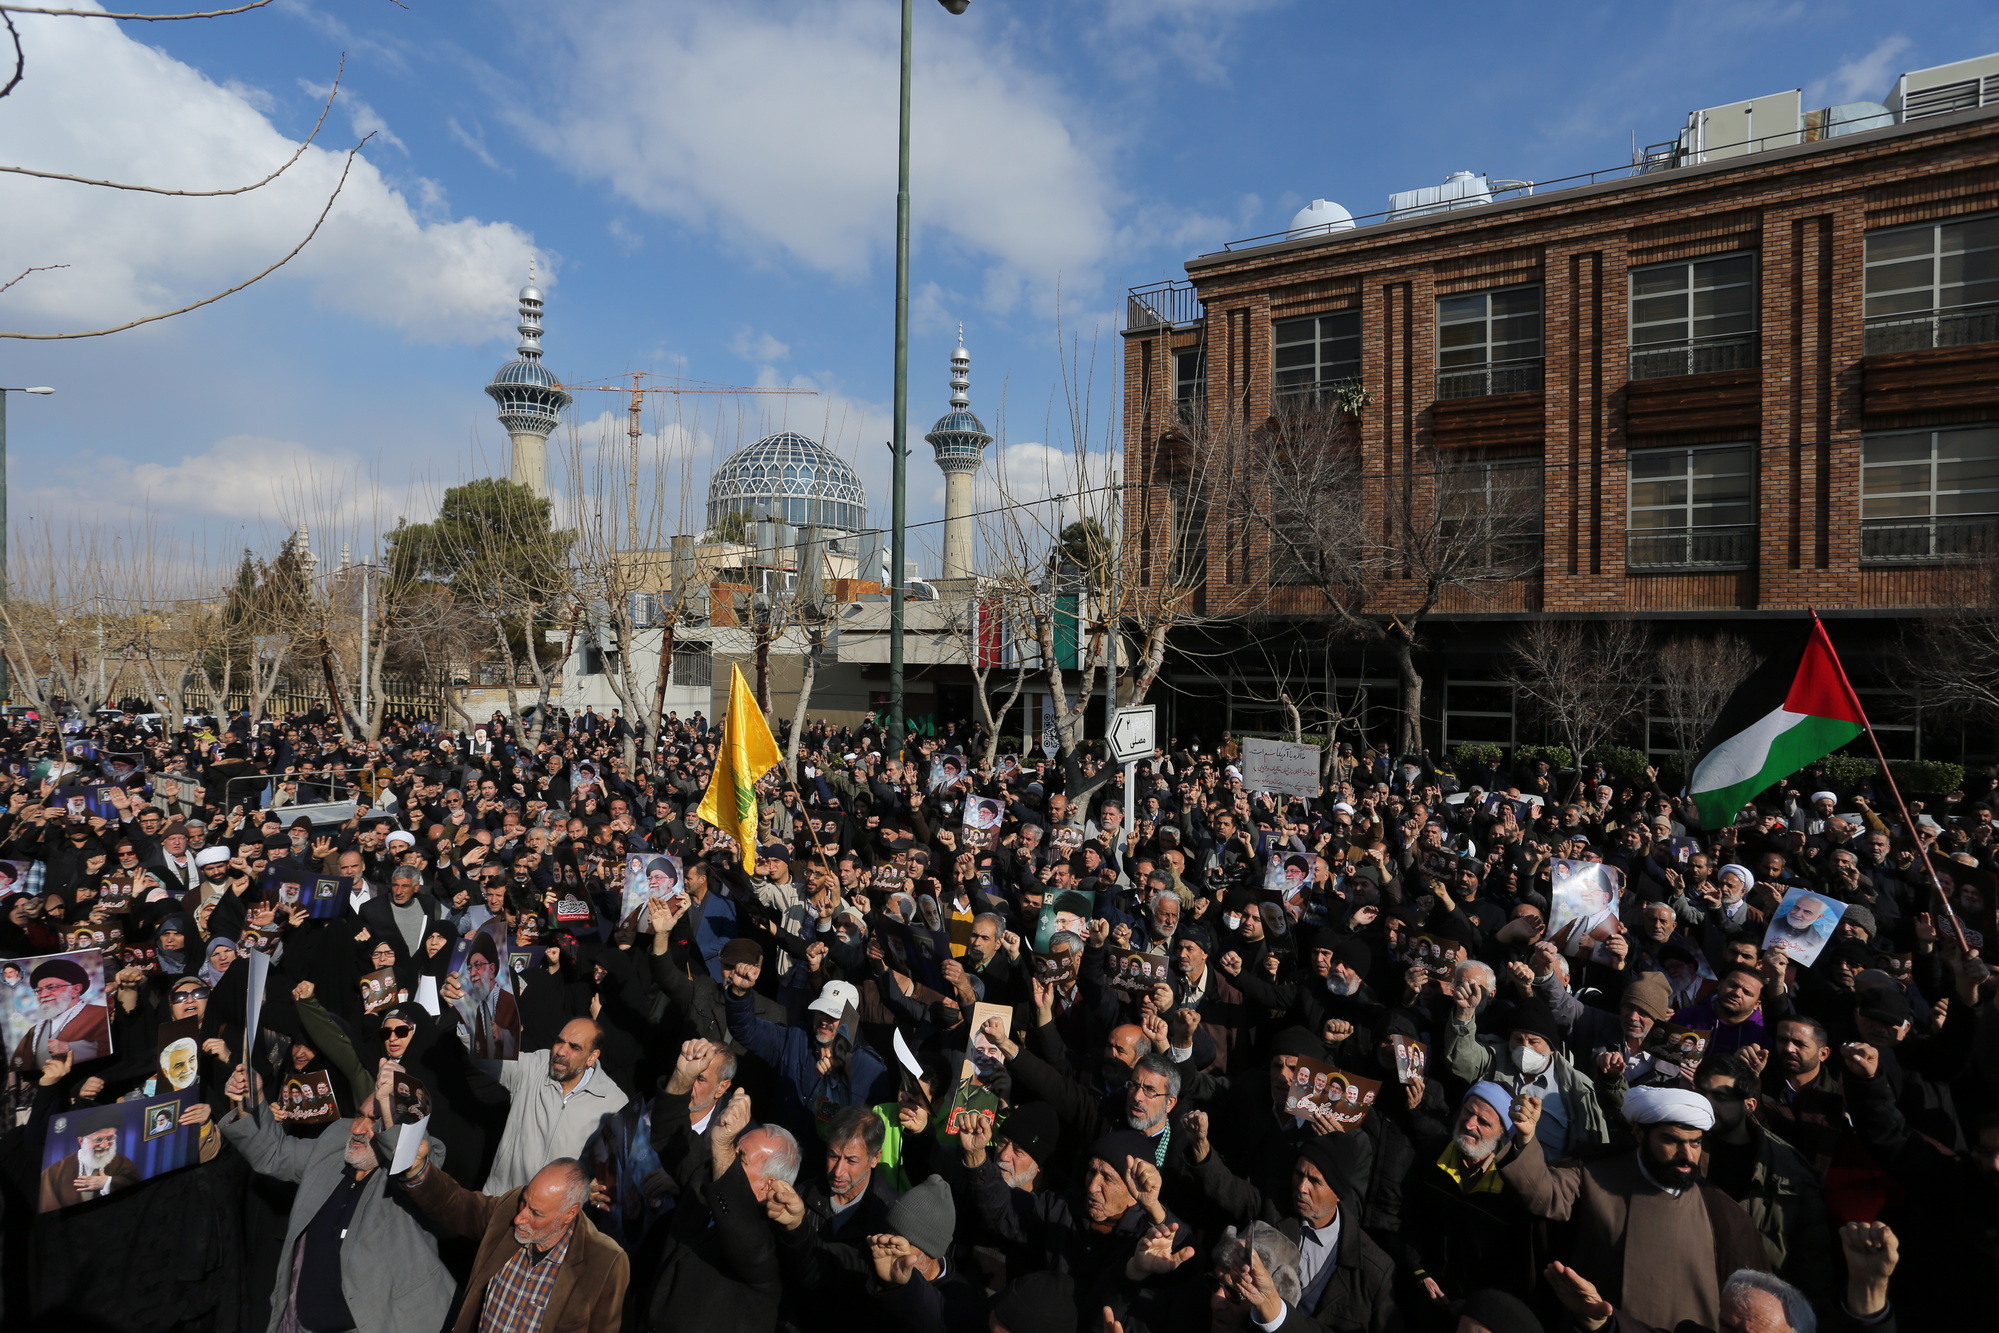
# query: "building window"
{"points": [[693, 666], [1934, 285], [1495, 502], [1190, 384], [1489, 342], [1929, 495], [1478, 710], [1691, 508], [1693, 317], [1314, 357]]}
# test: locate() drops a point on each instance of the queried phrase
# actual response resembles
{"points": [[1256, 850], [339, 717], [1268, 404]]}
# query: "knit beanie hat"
{"points": [[926, 1217]]}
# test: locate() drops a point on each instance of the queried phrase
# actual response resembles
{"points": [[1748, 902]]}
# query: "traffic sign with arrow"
{"points": [[1133, 733]]}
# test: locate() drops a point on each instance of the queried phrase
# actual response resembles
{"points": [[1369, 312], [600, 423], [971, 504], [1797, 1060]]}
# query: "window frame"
{"points": [[1938, 535], [1527, 557], [1487, 376], [1703, 546], [1938, 324], [1307, 396], [1695, 353]]}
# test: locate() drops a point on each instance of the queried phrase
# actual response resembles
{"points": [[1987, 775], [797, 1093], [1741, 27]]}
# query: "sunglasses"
{"points": [[190, 993], [391, 1031]]}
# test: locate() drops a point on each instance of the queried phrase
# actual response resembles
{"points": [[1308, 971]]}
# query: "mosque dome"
{"points": [[792, 479]]}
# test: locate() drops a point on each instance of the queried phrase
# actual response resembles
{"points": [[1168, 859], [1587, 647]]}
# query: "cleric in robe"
{"points": [[95, 1169], [60, 985]]}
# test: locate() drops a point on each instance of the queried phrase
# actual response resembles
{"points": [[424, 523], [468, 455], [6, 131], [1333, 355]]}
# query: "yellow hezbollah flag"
{"points": [[748, 752]]}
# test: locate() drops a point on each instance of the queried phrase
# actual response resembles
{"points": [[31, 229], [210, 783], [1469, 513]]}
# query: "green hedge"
{"points": [[1622, 760], [1558, 756], [1926, 777], [1470, 754]]}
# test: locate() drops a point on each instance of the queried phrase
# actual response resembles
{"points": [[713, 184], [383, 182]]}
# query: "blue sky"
{"points": [[710, 189]]}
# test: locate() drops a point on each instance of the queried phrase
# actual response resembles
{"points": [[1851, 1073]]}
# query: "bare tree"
{"points": [[19, 73], [1584, 679], [1381, 552], [1696, 675]]}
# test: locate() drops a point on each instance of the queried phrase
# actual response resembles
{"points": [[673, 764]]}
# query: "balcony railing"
{"points": [[1690, 548], [1939, 328], [1523, 376], [1191, 410], [1928, 540], [1162, 305], [1696, 357], [1297, 400]]}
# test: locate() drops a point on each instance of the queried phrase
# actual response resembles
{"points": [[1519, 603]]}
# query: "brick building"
{"points": [[1753, 372]]}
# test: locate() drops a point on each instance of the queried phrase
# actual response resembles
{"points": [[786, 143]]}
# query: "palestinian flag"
{"points": [[1795, 709]]}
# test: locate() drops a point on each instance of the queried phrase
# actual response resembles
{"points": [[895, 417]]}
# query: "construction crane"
{"points": [[638, 391]]}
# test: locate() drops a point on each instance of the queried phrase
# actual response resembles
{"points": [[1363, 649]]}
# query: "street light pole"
{"points": [[898, 577], [6, 679]]}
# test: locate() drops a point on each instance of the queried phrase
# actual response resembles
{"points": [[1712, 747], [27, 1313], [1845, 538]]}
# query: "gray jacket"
{"points": [[542, 1124], [1469, 1057], [389, 1269]]}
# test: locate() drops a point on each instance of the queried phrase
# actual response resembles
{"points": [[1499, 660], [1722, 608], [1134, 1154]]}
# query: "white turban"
{"points": [[1818, 796], [1741, 872], [209, 856], [1667, 1106], [401, 838]]}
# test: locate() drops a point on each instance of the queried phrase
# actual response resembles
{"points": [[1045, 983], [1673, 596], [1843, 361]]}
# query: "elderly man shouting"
{"points": [[1658, 1241]]}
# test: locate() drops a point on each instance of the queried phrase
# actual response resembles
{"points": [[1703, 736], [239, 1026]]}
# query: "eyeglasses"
{"points": [[392, 1031]]}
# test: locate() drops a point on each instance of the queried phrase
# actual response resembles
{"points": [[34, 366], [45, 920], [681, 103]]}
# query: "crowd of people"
{"points": [[972, 1041]]}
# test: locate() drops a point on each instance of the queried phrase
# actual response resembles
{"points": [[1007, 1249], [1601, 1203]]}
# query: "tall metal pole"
{"points": [[899, 446]]}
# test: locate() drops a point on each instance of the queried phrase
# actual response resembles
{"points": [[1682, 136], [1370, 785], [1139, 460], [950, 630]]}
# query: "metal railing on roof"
{"points": [[1162, 305], [1653, 160]]}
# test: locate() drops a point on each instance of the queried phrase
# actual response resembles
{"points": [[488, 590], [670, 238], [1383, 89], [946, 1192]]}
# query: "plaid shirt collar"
{"points": [[517, 1296]]}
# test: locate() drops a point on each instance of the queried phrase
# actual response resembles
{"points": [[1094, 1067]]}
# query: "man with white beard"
{"points": [[64, 1021], [355, 1255], [96, 1168], [1463, 1226]]}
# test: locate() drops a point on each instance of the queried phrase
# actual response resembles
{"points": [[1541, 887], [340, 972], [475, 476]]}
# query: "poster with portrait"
{"points": [[114, 894], [486, 979], [981, 826], [621, 1159], [1134, 974], [409, 1112], [100, 1150], [1583, 905], [1440, 957], [1674, 1045], [58, 999], [649, 877], [1803, 923], [307, 1099], [16, 877], [324, 895], [891, 875], [946, 772], [1008, 769], [179, 1046], [1069, 910], [1412, 1057], [1318, 1088], [976, 1092], [379, 990], [1287, 878], [1066, 839]]}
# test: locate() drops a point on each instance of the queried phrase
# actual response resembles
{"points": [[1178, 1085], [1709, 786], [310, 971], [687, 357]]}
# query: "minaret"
{"points": [[531, 399], [960, 440]]}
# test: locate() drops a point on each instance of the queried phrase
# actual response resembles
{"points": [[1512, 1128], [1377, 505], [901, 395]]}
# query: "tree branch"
{"points": [[37, 268], [134, 18], [20, 57], [211, 300], [187, 194]]}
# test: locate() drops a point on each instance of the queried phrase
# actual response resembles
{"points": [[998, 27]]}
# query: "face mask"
{"points": [[1233, 920], [1531, 1062]]}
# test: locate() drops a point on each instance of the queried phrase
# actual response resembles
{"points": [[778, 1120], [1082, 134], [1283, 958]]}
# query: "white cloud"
{"points": [[474, 142], [1147, 34], [775, 128], [760, 346], [1863, 78], [101, 104]]}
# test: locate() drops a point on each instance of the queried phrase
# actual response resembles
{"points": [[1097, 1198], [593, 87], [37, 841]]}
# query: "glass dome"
{"points": [[789, 478]]}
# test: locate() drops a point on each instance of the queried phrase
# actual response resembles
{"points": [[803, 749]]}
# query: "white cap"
{"points": [[209, 856], [1818, 796], [835, 999], [401, 838]]}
